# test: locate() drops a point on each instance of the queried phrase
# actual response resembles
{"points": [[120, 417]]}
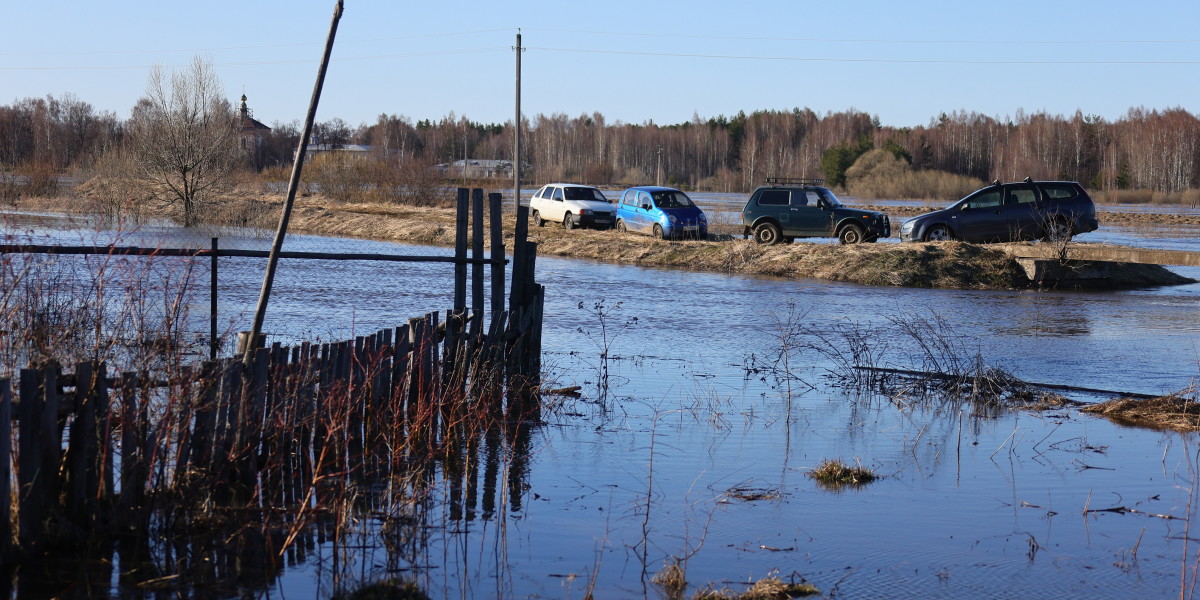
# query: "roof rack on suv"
{"points": [[794, 181]]}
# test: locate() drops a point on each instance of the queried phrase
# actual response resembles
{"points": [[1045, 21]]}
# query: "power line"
{"points": [[872, 60], [1008, 42], [259, 62]]}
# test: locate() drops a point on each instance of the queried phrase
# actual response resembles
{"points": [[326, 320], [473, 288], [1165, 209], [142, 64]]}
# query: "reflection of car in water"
{"points": [[787, 208], [1002, 212], [661, 212], [572, 205]]}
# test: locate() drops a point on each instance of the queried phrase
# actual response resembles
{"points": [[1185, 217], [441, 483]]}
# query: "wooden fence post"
{"points": [[32, 500], [476, 251], [497, 253], [460, 251], [6, 537], [88, 447]]}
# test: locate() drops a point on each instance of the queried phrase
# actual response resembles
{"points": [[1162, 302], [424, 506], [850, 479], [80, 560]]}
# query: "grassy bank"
{"points": [[933, 265]]}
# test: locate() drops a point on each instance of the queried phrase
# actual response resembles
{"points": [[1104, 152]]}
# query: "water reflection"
{"points": [[969, 503]]}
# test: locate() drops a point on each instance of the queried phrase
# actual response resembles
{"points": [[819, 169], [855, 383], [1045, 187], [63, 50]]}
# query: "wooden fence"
{"points": [[94, 452]]}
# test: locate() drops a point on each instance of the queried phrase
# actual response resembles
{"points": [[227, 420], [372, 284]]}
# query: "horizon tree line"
{"points": [[1150, 149]]}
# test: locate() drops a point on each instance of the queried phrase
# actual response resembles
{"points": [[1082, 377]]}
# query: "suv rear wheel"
{"points": [[767, 234]]}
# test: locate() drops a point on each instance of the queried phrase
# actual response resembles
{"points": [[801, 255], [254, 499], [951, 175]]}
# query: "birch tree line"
{"points": [[1148, 149]]}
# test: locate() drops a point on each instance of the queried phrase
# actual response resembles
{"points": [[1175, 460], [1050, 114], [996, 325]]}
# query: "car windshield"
{"points": [[830, 199], [584, 193], [671, 199]]}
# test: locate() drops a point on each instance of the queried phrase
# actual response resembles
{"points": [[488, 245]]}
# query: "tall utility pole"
{"points": [[522, 211], [517, 293], [658, 175]]}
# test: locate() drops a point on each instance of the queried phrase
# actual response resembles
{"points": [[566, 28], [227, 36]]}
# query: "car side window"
{"points": [[774, 198], [1020, 194], [558, 194], [989, 199], [542, 193], [811, 198], [1059, 191], [644, 199]]}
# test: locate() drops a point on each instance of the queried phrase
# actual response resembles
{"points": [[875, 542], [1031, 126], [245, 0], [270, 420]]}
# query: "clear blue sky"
{"points": [[632, 61]]}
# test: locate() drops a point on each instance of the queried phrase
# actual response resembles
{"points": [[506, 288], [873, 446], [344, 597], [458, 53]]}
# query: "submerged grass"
{"points": [[1178, 411], [835, 474]]}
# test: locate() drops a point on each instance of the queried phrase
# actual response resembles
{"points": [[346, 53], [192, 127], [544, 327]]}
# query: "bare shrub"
{"points": [[41, 180], [112, 190], [598, 174], [408, 181], [338, 177], [879, 174]]}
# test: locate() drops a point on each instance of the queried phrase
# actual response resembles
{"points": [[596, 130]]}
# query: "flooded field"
{"points": [[695, 449]]}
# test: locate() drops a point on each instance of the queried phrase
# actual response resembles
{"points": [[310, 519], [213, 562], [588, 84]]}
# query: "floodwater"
{"points": [[699, 454]]}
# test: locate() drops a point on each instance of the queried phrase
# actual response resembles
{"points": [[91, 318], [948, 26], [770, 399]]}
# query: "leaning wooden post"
{"points": [[260, 313]]}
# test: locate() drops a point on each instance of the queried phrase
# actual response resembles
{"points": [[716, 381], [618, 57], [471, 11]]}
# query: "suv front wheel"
{"points": [[850, 234], [767, 234]]}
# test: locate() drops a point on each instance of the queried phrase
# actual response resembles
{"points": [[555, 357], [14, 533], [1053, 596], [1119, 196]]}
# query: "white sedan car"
{"points": [[573, 205]]}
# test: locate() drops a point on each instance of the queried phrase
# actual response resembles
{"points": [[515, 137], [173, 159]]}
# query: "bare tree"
{"points": [[184, 136]]}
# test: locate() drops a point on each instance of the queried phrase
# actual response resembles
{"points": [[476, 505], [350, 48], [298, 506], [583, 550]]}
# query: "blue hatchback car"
{"points": [[661, 212]]}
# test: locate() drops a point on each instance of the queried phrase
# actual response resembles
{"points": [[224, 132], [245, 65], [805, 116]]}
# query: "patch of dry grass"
{"points": [[773, 588], [1179, 411], [835, 474]]}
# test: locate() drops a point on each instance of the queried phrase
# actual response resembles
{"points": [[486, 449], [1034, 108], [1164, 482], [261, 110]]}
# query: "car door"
{"points": [[811, 217], [555, 208], [629, 210], [644, 212], [774, 204], [1021, 214], [981, 216]]}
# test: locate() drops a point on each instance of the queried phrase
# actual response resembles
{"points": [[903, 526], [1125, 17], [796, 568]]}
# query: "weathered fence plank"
{"points": [[6, 537]]}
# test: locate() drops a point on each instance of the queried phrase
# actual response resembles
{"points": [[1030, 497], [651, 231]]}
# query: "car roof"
{"points": [[571, 185], [1041, 181], [652, 188]]}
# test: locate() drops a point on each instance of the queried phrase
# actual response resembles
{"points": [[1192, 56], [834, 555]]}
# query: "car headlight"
{"points": [[703, 219], [906, 227], [671, 218]]}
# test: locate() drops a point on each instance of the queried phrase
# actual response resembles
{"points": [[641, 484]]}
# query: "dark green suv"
{"points": [[787, 208]]}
